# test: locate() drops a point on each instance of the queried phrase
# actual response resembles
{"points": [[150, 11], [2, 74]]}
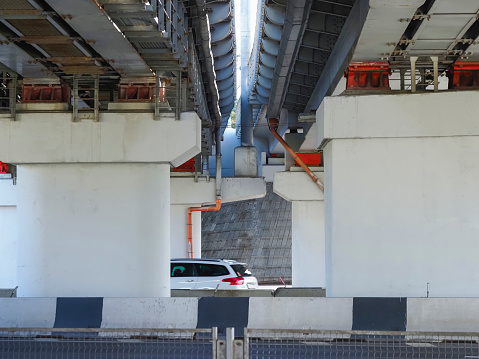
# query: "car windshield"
{"points": [[242, 270]]}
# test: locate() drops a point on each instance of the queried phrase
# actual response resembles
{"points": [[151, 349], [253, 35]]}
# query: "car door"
{"points": [[210, 276], [183, 275]]}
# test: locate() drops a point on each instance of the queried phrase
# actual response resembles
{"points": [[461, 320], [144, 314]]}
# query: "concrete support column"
{"points": [[94, 230], [8, 232], [402, 200], [308, 249], [308, 231]]}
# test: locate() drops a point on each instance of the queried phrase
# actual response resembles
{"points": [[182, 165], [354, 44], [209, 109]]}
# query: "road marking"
{"points": [[316, 343], [469, 357]]}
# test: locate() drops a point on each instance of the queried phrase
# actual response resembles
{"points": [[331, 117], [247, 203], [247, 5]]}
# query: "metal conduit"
{"points": [[205, 35], [273, 126], [218, 196]]}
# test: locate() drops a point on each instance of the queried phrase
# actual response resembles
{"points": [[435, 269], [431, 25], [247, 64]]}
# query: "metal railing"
{"points": [[59, 343], [307, 343]]}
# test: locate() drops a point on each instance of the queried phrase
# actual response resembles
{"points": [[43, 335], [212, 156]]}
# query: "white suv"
{"points": [[191, 273]]}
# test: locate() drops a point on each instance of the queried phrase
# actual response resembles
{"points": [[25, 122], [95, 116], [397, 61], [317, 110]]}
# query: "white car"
{"points": [[191, 273]]}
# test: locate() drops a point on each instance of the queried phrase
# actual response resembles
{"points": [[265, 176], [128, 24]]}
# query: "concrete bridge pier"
{"points": [[93, 201], [401, 194], [308, 231]]}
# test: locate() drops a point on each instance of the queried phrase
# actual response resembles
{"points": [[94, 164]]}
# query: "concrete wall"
{"points": [[8, 234], [401, 196]]}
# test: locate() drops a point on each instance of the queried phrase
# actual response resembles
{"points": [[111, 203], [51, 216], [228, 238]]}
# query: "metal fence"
{"points": [[266, 343], [62, 343], [58, 343]]}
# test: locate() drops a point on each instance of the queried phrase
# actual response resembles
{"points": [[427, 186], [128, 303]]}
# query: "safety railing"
{"points": [[304, 343], [59, 343]]}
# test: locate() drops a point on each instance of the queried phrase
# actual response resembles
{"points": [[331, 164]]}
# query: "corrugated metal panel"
{"points": [[35, 27], [152, 45], [15, 5], [61, 50]]}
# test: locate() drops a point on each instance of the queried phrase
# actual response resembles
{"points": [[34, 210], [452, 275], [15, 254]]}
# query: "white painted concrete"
{"points": [[301, 313], [94, 230], [245, 161], [8, 234], [270, 170], [308, 232], [8, 246], [8, 193], [184, 190], [27, 312], [150, 313], [118, 137], [402, 211], [443, 314], [308, 246], [398, 115], [298, 186]]}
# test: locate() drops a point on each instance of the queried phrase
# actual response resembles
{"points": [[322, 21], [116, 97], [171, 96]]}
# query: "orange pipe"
{"points": [[190, 222], [273, 125]]}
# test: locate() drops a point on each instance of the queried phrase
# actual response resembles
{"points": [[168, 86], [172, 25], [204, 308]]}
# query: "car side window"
{"points": [[211, 270], [182, 270]]}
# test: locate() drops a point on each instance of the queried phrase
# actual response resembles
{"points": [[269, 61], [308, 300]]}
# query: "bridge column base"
{"points": [[308, 231], [100, 230], [401, 194]]}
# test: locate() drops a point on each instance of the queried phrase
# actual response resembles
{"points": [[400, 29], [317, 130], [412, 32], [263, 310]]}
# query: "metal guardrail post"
{"points": [[214, 341], [178, 95], [157, 97], [12, 94], [246, 344], [230, 337], [96, 98], [75, 98]]}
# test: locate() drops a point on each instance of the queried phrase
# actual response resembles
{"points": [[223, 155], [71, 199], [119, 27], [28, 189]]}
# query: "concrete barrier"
{"points": [[300, 292], [27, 312], [221, 293], [150, 313], [8, 292], [443, 314], [301, 313], [394, 314]]}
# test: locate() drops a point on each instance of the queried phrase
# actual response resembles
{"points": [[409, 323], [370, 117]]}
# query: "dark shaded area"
{"points": [[223, 313], [388, 314], [79, 313]]}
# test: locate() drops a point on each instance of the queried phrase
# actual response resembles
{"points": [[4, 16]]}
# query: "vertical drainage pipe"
{"points": [[218, 196], [273, 126]]}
